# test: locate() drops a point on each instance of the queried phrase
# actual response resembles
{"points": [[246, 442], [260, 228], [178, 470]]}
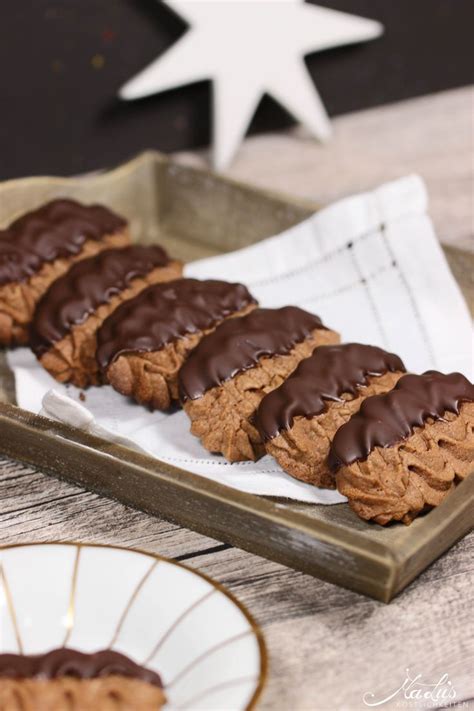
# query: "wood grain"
{"points": [[327, 646], [35, 507]]}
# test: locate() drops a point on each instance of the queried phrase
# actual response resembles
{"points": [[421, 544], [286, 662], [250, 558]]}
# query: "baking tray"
{"points": [[195, 213]]}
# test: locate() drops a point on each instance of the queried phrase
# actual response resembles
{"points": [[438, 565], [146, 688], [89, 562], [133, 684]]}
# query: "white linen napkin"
{"points": [[369, 265]]}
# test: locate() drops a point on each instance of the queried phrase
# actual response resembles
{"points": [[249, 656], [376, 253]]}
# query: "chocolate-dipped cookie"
{"points": [[39, 247], [143, 344], [67, 679], [66, 319], [227, 375], [403, 451], [298, 420]]}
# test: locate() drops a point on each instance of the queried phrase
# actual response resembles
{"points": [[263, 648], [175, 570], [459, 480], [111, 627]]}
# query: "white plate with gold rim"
{"points": [[197, 636]]}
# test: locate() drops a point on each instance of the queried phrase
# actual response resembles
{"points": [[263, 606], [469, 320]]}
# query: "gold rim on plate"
{"points": [[263, 672]]}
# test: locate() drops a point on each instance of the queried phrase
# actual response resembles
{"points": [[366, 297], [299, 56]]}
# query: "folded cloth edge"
{"points": [[61, 408]]}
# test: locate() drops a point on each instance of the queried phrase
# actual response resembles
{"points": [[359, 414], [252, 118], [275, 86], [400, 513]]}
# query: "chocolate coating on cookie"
{"points": [[165, 312], [86, 286], [328, 373], [384, 420], [55, 230], [69, 662], [238, 344]]}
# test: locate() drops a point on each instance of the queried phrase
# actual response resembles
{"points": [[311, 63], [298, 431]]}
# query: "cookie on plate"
{"points": [[67, 679], [402, 453], [66, 319], [39, 247], [298, 420], [229, 372], [143, 344]]}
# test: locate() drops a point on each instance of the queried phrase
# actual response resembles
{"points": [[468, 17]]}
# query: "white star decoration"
{"points": [[248, 48]]}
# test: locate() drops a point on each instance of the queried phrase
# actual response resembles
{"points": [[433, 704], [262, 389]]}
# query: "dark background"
{"points": [[63, 61]]}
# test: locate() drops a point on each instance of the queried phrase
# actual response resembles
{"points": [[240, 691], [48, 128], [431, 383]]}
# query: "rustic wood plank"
{"points": [[36, 507], [329, 646], [311, 627]]}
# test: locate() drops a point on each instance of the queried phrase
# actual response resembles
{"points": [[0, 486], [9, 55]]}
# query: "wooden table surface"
{"points": [[327, 646]]}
